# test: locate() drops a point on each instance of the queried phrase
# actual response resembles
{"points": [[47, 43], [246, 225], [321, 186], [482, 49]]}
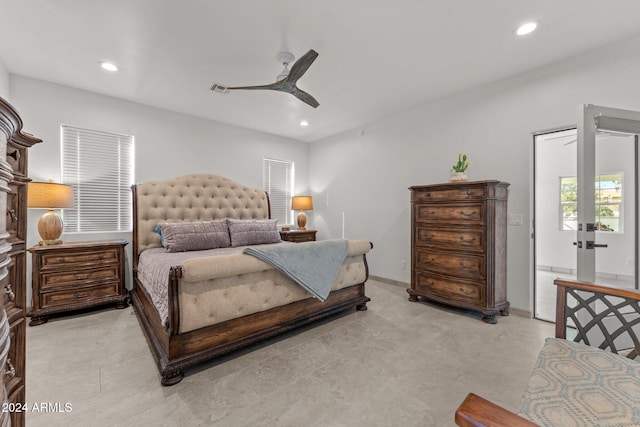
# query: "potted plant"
{"points": [[459, 172]]}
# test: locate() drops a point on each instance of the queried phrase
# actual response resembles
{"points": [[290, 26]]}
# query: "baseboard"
{"points": [[520, 312], [516, 311], [389, 281]]}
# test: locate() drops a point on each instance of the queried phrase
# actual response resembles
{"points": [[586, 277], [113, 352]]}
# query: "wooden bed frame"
{"points": [[476, 411], [174, 352]]}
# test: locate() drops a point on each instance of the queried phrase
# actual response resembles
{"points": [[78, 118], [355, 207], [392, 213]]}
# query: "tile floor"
{"points": [[397, 364]]}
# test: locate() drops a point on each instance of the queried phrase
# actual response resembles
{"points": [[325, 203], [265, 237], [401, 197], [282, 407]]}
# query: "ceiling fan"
{"points": [[286, 80]]}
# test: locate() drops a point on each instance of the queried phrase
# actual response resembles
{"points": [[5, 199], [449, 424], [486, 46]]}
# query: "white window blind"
{"points": [[277, 181], [99, 167]]}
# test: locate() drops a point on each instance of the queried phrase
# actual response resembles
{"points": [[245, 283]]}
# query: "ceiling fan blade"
{"points": [[305, 97], [258, 87], [301, 65]]}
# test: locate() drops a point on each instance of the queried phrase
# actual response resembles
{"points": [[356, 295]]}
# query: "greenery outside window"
{"points": [[609, 202]]}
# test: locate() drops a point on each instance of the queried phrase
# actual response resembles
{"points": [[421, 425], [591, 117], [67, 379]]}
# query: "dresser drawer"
{"points": [[468, 213], [76, 277], [449, 288], [55, 259], [303, 238], [298, 236], [461, 265], [69, 296], [446, 194], [464, 239]]}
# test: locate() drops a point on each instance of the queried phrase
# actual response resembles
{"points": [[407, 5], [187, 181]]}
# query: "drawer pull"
{"points": [[429, 283], [101, 256], [9, 292], [469, 193], [427, 194], [11, 372], [463, 213], [83, 295], [81, 276], [12, 214], [473, 239], [466, 292]]}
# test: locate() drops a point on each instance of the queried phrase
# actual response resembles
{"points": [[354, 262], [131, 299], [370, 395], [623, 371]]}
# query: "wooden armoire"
{"points": [[14, 144], [459, 245]]}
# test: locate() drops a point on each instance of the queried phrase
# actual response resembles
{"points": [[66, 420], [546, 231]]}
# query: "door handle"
{"points": [[592, 245], [579, 244]]}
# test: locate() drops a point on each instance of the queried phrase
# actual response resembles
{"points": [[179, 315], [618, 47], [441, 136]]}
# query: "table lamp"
{"points": [[302, 203], [50, 196]]}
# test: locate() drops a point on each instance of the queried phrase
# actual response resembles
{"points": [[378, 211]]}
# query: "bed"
{"points": [[592, 379], [211, 302]]}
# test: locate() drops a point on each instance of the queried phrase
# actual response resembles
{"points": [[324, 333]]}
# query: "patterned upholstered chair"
{"points": [[589, 375]]}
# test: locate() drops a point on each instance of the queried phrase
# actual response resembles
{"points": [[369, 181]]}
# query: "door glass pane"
{"points": [[555, 216], [615, 194]]}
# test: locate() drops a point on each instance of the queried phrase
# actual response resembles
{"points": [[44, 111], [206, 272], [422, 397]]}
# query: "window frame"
{"points": [[598, 177]]}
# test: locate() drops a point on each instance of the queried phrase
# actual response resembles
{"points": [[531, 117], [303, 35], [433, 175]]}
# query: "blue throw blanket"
{"points": [[312, 265]]}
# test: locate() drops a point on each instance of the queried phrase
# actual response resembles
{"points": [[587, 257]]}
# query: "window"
{"points": [[277, 181], [99, 167], [609, 206]]}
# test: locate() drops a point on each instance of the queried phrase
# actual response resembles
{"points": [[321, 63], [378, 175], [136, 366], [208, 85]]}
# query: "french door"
{"points": [[602, 128], [585, 203]]}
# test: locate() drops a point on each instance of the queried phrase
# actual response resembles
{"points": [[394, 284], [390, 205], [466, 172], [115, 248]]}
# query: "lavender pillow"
{"points": [[245, 232], [194, 236]]}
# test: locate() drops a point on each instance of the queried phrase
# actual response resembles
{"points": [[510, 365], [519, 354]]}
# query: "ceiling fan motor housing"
{"points": [[285, 59]]}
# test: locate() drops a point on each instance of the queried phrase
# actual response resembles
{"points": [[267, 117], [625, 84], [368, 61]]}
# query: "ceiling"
{"points": [[376, 57]]}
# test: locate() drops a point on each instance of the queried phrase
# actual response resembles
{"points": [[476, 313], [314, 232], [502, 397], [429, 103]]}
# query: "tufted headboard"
{"points": [[200, 197]]}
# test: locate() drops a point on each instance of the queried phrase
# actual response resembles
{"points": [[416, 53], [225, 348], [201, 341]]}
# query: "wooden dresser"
{"points": [[298, 236], [458, 245], [78, 275], [13, 274]]}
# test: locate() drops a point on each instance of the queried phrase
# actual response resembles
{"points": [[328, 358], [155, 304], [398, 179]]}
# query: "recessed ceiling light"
{"points": [[526, 28], [304, 123], [108, 66]]}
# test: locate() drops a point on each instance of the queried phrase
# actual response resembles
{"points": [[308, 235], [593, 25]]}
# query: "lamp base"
{"points": [[50, 228], [49, 242], [302, 221]]}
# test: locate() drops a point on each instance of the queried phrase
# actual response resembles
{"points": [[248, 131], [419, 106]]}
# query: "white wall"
{"points": [[167, 144], [366, 172], [4, 81]]}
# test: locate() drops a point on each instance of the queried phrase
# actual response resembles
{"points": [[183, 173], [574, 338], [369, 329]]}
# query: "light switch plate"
{"points": [[515, 219]]}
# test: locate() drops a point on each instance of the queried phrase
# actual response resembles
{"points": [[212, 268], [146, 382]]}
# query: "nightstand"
{"points": [[75, 276], [298, 236]]}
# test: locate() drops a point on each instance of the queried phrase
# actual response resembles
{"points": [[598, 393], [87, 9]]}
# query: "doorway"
{"points": [[607, 253]]}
